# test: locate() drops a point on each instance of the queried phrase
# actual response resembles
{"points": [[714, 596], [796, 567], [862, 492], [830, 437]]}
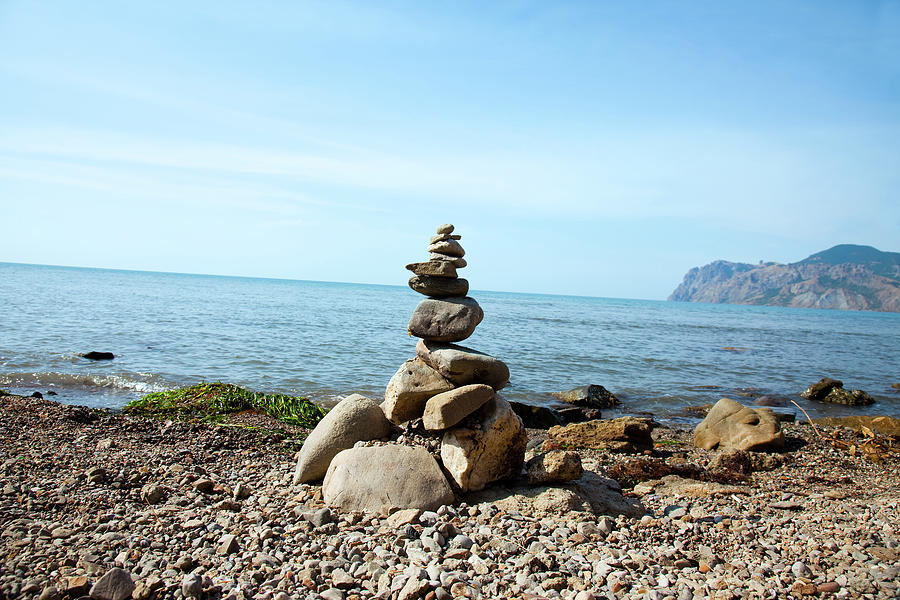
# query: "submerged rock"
{"points": [[821, 388], [732, 425], [590, 396], [94, 355]]}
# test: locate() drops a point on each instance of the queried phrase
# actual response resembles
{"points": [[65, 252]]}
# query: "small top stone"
{"points": [[445, 228]]}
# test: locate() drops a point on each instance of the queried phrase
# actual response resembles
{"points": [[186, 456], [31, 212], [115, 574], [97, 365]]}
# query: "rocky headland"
{"points": [[846, 277]]}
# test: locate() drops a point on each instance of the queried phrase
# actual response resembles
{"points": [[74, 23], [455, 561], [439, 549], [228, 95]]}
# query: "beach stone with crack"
{"points": [[447, 247], [625, 434], [439, 287], [732, 425], [433, 268], [376, 478], [449, 408], [475, 458], [463, 366], [445, 320], [354, 419], [410, 388]]}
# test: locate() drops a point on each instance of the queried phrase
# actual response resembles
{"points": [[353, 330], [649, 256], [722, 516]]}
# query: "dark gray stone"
{"points": [[439, 287]]}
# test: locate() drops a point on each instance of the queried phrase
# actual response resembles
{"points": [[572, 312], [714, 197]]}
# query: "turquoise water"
{"points": [[326, 340]]}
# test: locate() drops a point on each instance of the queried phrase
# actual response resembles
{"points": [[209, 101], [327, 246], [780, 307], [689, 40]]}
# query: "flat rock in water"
{"points": [[377, 478], [410, 388], [448, 248], [439, 287], [625, 434], [476, 457], [589, 396], [94, 355], [449, 408], [462, 365], [355, 418], [433, 268], [447, 320], [732, 425]]}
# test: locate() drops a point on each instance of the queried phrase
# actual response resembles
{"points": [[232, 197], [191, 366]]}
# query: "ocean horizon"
{"points": [[325, 340]]}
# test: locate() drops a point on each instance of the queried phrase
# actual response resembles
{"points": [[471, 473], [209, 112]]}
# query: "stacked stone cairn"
{"points": [[442, 428]]}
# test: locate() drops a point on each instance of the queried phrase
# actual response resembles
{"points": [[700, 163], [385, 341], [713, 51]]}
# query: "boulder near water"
{"points": [[354, 419], [380, 478], [732, 425]]}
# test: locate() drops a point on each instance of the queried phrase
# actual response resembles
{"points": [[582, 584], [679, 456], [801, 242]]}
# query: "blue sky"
{"points": [[594, 148]]}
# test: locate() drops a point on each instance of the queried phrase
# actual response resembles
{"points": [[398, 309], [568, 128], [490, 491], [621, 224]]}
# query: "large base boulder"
{"points": [[492, 452], [355, 418], [732, 425], [410, 388], [462, 365], [377, 479], [445, 320], [625, 434]]}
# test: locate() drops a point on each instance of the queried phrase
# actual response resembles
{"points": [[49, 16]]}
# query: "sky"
{"points": [[587, 148]]}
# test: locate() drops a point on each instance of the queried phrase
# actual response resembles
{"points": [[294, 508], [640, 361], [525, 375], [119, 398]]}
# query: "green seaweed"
{"points": [[213, 402]]}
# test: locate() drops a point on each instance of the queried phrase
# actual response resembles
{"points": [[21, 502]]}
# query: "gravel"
{"points": [[194, 511]]}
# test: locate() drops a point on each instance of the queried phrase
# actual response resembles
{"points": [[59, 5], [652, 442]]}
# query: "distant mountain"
{"points": [[846, 277]]}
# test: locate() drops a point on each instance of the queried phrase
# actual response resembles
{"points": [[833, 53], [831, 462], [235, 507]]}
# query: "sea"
{"points": [[326, 340]]}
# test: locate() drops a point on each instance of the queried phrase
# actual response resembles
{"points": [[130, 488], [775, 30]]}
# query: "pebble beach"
{"points": [[96, 503]]}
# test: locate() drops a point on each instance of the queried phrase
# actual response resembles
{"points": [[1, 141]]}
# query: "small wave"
{"points": [[141, 383]]}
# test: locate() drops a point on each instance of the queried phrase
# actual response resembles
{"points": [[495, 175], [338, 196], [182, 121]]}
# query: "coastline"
{"points": [[74, 504]]}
